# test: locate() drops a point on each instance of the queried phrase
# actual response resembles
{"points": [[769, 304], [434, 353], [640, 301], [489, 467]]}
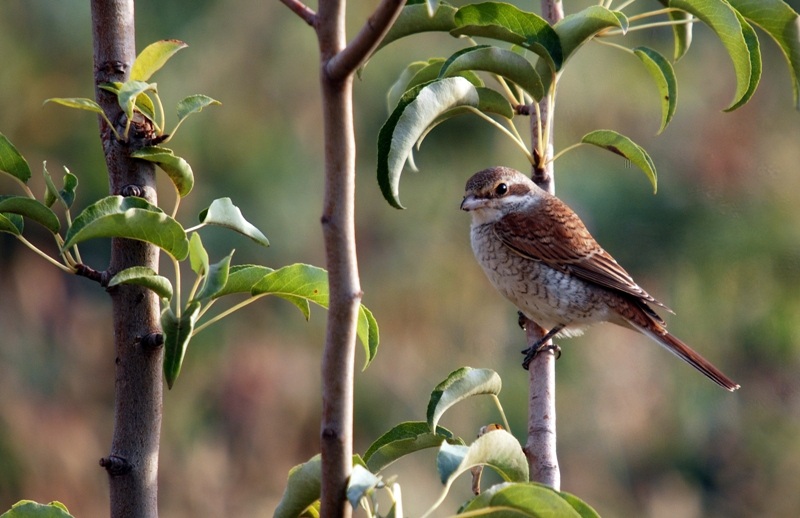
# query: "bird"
{"points": [[537, 252]]}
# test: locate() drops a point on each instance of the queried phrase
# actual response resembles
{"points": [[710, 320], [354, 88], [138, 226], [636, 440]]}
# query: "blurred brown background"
{"points": [[640, 433]]}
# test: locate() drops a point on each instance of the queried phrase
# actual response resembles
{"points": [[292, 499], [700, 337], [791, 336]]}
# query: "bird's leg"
{"points": [[541, 345]]}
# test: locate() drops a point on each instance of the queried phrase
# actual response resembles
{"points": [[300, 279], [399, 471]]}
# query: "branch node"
{"points": [[151, 341], [132, 190], [90, 273], [116, 465]]}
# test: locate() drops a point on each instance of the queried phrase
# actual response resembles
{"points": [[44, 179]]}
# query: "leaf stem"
{"points": [[516, 140], [177, 295], [563, 151], [502, 413], [227, 312], [44, 255]]}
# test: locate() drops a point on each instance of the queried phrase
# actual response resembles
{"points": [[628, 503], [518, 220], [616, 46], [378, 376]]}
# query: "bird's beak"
{"points": [[470, 202]]}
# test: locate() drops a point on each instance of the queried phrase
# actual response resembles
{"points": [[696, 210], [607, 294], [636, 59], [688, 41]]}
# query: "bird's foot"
{"points": [[531, 352]]}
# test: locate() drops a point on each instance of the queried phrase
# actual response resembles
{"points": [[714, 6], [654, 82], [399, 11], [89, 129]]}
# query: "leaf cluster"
{"points": [[495, 447], [527, 56]]}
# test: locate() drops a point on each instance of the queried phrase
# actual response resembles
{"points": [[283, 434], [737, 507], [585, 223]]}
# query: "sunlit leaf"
{"points": [[724, 21], [132, 218], [782, 23], [242, 278], [414, 19], [177, 333], [528, 499], [215, 279], [662, 72], [505, 22], [625, 147], [302, 489], [415, 111], [31, 509], [153, 57], [497, 449], [31, 209], [368, 334], [297, 283], [12, 162], [578, 28], [402, 84], [495, 60], [178, 169], [222, 212], [146, 277], [80, 103], [682, 33], [458, 386], [360, 484], [402, 440], [128, 94]]}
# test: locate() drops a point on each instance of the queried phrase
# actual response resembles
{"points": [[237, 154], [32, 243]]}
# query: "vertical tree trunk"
{"points": [[540, 448], [132, 464]]}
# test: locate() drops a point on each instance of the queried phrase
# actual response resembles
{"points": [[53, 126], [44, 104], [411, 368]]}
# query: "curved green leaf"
{"points": [[12, 162], [682, 32], [193, 104], [427, 72], [302, 489], [144, 276], [723, 20], [242, 278], [495, 60], [368, 334], [414, 19], [529, 499], [31, 509], [153, 57], [11, 224], [578, 28], [416, 110], [223, 213], [662, 72], [624, 147], [143, 103], [177, 333], [128, 96], [198, 257], [131, 218], [402, 440], [458, 386], [782, 23], [360, 484], [505, 22], [215, 280], [31, 209], [755, 62], [79, 103], [178, 169], [401, 85], [52, 194], [297, 283], [497, 449]]}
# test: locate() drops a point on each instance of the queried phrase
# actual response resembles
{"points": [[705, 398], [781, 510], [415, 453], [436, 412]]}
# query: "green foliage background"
{"points": [[640, 434]]}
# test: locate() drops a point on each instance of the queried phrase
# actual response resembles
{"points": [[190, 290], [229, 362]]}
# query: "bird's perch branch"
{"points": [[338, 65], [540, 448]]}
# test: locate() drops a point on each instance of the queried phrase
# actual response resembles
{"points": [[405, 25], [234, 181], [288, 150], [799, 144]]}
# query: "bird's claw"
{"points": [[531, 352]]}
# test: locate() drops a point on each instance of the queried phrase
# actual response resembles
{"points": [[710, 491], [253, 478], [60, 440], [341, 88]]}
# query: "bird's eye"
{"points": [[501, 189]]}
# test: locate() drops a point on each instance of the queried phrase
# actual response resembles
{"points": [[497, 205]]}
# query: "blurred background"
{"points": [[640, 433]]}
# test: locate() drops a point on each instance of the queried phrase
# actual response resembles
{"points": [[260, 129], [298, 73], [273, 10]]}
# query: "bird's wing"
{"points": [[554, 235]]}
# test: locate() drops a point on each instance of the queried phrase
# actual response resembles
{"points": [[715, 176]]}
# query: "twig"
{"points": [[302, 10]]}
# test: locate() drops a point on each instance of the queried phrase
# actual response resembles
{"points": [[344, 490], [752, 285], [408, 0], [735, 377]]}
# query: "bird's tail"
{"points": [[687, 354]]}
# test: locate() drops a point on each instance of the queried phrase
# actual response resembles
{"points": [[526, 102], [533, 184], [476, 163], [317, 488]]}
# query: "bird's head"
{"points": [[492, 193]]}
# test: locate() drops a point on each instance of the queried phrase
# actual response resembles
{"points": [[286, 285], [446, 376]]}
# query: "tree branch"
{"points": [[302, 10], [366, 41]]}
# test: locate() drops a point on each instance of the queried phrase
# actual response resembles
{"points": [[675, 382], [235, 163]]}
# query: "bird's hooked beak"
{"points": [[471, 202]]}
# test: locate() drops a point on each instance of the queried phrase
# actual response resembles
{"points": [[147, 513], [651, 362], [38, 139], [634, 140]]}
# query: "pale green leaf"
{"points": [[129, 93], [177, 333], [153, 57], [662, 72], [178, 169], [297, 283], [625, 147], [402, 440], [302, 489], [495, 60], [132, 218], [146, 277], [12, 162], [215, 280], [528, 499], [222, 212], [31, 509], [198, 257], [80, 103], [368, 334], [194, 104], [497, 449], [414, 19], [458, 386], [578, 28], [402, 84], [242, 278], [360, 484]]}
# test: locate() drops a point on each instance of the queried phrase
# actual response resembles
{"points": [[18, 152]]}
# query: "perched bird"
{"points": [[537, 252]]}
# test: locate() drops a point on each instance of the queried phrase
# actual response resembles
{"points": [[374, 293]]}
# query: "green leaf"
{"points": [[402, 440], [297, 283], [505, 22], [222, 212], [198, 257], [215, 280], [302, 489], [131, 218], [143, 103], [360, 484], [682, 32], [129, 93], [31, 209], [368, 334], [497, 449], [528, 499], [79, 103], [414, 19], [31, 509], [417, 109], [177, 333], [724, 21], [624, 147], [782, 23], [144, 276], [178, 169], [194, 104], [11, 224], [53, 194], [459, 385], [11, 162], [578, 28], [242, 278], [153, 57], [755, 62], [662, 72], [495, 60], [403, 82], [427, 72]]}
